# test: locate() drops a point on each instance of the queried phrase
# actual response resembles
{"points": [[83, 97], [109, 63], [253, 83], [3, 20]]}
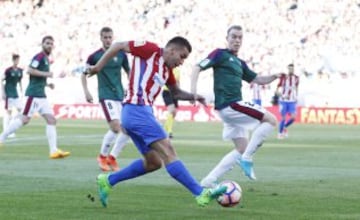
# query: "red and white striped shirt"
{"points": [[257, 90], [148, 73], [289, 85]]}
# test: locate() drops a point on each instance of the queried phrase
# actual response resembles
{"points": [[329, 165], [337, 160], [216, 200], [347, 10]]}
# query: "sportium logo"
{"points": [[86, 111]]}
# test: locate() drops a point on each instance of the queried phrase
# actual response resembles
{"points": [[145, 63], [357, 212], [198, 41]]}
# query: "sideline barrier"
{"points": [[348, 116]]}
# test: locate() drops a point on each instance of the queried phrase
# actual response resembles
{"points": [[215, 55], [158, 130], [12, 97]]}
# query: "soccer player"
{"points": [[256, 91], [111, 94], [36, 101], [152, 68], [237, 115], [12, 78], [287, 89], [171, 105]]}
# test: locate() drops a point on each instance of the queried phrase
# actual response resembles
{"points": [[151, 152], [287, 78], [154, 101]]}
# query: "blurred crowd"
{"points": [[320, 37]]}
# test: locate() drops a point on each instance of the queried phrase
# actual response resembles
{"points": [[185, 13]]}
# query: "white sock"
{"points": [[257, 138], [13, 126], [107, 140], [6, 120], [52, 138], [120, 142], [225, 165]]}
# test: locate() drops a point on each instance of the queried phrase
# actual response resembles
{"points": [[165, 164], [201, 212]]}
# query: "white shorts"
{"points": [[11, 103], [35, 104], [239, 118], [111, 109]]}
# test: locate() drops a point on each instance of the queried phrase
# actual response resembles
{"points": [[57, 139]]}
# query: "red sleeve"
{"points": [[143, 49], [171, 80]]}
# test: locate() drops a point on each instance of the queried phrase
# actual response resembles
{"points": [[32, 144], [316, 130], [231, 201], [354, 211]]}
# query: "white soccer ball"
{"points": [[232, 196]]}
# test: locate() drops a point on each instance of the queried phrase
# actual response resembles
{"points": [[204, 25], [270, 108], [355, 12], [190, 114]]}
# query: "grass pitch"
{"points": [[314, 174]]}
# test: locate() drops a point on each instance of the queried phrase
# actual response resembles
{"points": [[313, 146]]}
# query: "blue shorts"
{"points": [[287, 108], [257, 101], [142, 126]]}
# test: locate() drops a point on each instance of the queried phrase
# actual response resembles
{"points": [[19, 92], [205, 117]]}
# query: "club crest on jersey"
{"points": [[158, 79], [115, 59]]}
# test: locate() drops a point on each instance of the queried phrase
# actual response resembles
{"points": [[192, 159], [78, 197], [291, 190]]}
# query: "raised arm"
{"points": [[110, 53], [194, 78]]}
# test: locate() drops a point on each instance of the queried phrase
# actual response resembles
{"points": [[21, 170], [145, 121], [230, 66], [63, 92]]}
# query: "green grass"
{"points": [[315, 174]]}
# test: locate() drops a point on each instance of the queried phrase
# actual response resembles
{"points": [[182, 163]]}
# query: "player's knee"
{"points": [[270, 118], [115, 126]]}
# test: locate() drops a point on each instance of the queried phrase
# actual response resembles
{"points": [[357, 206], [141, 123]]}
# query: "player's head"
{"points": [[176, 51], [47, 44], [15, 58], [106, 37], [234, 38], [291, 68]]}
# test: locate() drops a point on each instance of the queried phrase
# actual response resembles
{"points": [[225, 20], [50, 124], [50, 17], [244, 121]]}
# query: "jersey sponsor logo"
{"points": [[34, 64], [139, 43], [204, 62], [158, 79]]}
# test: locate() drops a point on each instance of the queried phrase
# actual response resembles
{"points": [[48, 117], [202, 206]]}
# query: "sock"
{"points": [[120, 142], [52, 137], [135, 169], [6, 120], [257, 138], [107, 140], [288, 123], [13, 126], [169, 123], [281, 126], [179, 172], [226, 164]]}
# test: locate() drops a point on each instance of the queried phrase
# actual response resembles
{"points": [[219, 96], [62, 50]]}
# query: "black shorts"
{"points": [[168, 99]]}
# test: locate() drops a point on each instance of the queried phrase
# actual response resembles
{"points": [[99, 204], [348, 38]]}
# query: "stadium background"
{"points": [[320, 37]]}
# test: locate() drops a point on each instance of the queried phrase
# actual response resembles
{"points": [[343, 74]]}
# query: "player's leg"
{"points": [[47, 113], [238, 135], [121, 138], [249, 116], [283, 112], [15, 104], [292, 112], [112, 118], [21, 120], [171, 106]]}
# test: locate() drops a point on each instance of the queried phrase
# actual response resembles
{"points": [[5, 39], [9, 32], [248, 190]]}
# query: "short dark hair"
{"points": [[236, 27], [15, 56], [47, 37], [180, 41], [105, 29], [291, 65]]}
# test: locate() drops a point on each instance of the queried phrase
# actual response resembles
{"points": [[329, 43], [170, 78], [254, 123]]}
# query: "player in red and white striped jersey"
{"points": [[152, 68], [287, 89]]}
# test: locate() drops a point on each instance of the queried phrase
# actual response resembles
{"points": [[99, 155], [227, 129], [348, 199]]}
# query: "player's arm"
{"points": [[180, 94], [36, 72], [87, 93], [262, 80], [194, 78], [3, 86], [110, 53]]}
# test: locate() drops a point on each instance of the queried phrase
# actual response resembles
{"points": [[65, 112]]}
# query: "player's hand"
{"points": [[89, 97], [91, 71], [51, 85]]}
